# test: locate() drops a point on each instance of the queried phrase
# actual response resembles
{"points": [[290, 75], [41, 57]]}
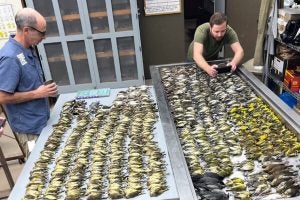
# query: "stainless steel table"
{"points": [[20, 186], [185, 187]]}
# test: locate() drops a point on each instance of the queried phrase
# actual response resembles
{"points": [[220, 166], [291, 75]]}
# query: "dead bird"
{"points": [[209, 186], [215, 195]]}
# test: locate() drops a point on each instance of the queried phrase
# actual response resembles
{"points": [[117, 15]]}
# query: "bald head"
{"points": [[28, 17]]}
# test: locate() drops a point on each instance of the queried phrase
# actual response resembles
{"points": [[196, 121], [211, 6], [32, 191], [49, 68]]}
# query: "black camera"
{"points": [[223, 68]]}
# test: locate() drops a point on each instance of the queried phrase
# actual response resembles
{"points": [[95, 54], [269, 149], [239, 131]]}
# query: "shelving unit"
{"points": [[275, 80], [280, 84], [296, 48], [90, 44]]}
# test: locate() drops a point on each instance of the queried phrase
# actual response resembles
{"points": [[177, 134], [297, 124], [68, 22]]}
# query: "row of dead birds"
{"points": [[279, 175], [104, 167], [39, 175], [218, 118], [262, 132]]}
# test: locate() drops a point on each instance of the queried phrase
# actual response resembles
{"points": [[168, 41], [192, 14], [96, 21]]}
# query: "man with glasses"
{"points": [[22, 92], [209, 39]]}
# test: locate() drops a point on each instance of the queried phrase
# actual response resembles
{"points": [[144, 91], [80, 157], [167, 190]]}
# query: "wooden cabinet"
{"points": [[90, 44]]}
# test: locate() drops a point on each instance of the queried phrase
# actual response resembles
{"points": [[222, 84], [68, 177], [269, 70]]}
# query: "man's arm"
{"points": [[200, 60], [18, 97], [238, 55]]}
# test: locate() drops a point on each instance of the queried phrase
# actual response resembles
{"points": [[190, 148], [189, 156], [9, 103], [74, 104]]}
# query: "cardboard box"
{"points": [[292, 80], [280, 65], [287, 14]]}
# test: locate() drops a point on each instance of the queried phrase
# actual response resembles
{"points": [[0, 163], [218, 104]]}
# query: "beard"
{"points": [[219, 38]]}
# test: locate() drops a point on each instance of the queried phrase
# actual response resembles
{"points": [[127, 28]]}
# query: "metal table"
{"points": [[181, 173], [20, 186]]}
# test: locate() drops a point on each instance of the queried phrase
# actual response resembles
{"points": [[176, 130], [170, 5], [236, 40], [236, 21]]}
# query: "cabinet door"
{"points": [[57, 64], [115, 42], [90, 43], [122, 15], [105, 61], [79, 62], [45, 7], [127, 58], [98, 16], [64, 51], [70, 16]]}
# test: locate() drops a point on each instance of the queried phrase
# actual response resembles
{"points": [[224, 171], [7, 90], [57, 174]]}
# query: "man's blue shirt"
{"points": [[20, 71]]}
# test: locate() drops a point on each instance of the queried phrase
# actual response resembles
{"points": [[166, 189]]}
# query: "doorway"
{"points": [[196, 13]]}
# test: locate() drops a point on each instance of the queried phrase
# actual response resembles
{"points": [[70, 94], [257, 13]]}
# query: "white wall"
{"points": [[16, 5]]}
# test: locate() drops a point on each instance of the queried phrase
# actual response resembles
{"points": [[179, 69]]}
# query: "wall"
{"points": [[17, 5], [243, 17], [162, 38]]}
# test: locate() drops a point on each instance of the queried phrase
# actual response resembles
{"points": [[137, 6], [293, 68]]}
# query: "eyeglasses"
{"points": [[43, 33]]}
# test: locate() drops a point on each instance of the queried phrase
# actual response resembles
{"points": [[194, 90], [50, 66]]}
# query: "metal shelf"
{"points": [[296, 48], [276, 80], [280, 84]]}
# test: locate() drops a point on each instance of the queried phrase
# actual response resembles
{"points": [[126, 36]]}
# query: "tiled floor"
{"points": [[10, 148]]}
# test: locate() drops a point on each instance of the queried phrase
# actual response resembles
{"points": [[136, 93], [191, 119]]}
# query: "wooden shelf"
{"points": [[56, 59], [129, 52], [103, 54], [50, 19], [98, 14], [122, 12], [100, 54], [78, 57], [120, 29], [73, 57], [71, 17], [110, 54]]}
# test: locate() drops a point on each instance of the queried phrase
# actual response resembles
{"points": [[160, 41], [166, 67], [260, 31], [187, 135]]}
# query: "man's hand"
{"points": [[238, 55], [233, 66], [43, 91], [211, 71], [49, 90]]}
